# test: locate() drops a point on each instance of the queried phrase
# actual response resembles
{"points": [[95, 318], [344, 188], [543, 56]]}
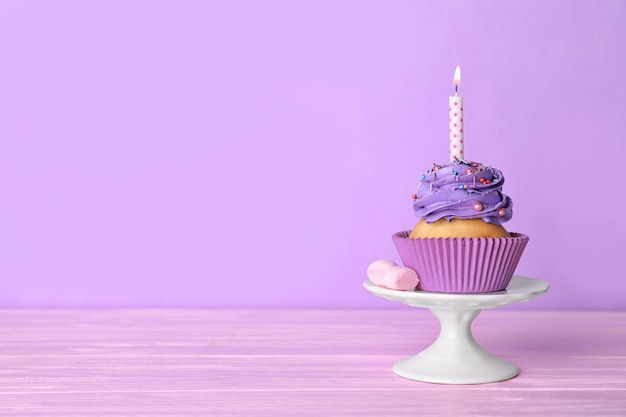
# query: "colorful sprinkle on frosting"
{"points": [[464, 190]]}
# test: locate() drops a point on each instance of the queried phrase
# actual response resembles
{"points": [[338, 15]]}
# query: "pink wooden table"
{"points": [[299, 363]]}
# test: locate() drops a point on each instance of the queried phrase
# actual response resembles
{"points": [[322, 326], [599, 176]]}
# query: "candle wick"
{"points": [[456, 89]]}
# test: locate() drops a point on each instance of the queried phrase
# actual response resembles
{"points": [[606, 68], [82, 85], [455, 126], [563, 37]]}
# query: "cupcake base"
{"points": [[461, 265]]}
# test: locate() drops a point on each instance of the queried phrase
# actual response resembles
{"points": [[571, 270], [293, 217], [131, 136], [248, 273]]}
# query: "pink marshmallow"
{"points": [[376, 270], [400, 278]]}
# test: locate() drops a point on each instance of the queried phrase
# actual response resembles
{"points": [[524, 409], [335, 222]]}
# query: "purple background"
{"points": [[261, 153]]}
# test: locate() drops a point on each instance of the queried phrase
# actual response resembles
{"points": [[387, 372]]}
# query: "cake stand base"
{"points": [[455, 357]]}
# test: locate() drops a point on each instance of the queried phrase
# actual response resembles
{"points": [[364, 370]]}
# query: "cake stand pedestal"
{"points": [[455, 357]]}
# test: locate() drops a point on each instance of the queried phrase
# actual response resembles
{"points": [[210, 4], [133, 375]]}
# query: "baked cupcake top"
{"points": [[462, 190]]}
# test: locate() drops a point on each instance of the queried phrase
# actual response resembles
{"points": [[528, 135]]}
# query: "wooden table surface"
{"points": [[299, 363]]}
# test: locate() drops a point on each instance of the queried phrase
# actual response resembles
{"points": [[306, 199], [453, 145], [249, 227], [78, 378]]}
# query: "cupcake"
{"points": [[459, 244]]}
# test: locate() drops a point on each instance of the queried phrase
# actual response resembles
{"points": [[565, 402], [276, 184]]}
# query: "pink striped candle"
{"points": [[456, 120]]}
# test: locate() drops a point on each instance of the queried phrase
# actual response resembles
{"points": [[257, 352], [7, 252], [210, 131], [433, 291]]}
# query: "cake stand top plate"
{"points": [[520, 289]]}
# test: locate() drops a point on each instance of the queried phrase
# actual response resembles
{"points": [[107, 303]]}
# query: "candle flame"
{"points": [[457, 75]]}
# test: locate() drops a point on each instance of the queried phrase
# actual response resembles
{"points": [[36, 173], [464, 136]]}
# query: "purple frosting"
{"points": [[464, 190]]}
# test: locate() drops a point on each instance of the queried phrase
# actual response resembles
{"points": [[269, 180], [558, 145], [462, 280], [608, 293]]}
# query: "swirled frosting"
{"points": [[463, 190]]}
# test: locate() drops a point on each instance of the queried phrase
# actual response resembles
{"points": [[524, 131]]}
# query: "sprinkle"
{"points": [[502, 212], [478, 206], [414, 197]]}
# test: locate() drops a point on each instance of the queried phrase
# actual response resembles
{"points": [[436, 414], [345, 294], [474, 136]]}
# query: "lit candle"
{"points": [[456, 120]]}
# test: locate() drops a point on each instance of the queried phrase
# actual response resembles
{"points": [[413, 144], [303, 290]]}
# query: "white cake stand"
{"points": [[455, 357]]}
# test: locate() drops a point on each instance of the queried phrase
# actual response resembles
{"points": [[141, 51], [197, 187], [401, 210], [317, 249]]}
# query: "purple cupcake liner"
{"points": [[461, 265]]}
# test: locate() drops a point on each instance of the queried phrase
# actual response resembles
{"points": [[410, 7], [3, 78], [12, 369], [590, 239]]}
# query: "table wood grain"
{"points": [[299, 363]]}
